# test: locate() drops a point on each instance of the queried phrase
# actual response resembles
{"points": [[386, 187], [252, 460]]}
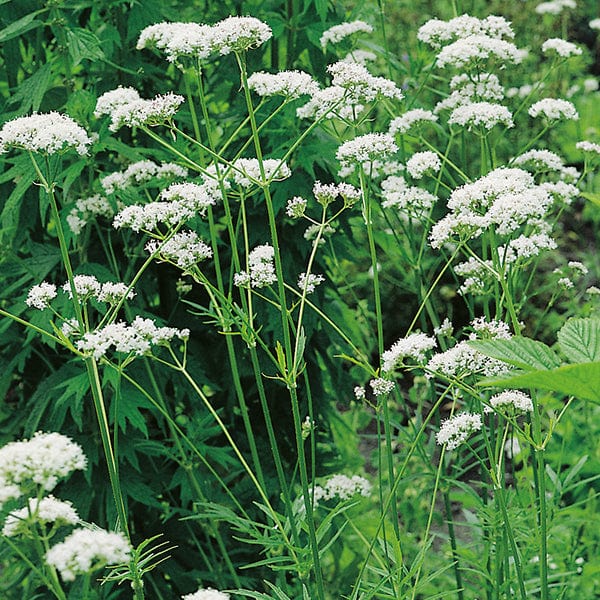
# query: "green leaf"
{"points": [[83, 45], [31, 92], [521, 352], [581, 380], [593, 198], [21, 26], [579, 339]]}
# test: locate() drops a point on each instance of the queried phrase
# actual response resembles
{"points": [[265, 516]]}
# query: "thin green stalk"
{"points": [[453, 546]]}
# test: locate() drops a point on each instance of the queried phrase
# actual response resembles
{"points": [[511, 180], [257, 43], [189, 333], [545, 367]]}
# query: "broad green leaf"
{"points": [[579, 339], [521, 352], [594, 198], [31, 92], [83, 45], [21, 26], [581, 380]]}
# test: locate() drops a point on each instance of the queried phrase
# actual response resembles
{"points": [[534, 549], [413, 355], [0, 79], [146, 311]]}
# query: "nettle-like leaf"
{"points": [[521, 352], [579, 340]]}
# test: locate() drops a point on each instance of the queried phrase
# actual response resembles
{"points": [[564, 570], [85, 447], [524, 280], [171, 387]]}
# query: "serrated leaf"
{"points": [[521, 352], [31, 91], [20, 26], [83, 45], [581, 380], [579, 339]]}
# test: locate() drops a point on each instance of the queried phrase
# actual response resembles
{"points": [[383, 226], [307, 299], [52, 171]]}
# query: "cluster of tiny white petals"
{"points": [[86, 209], [126, 108], [365, 149], [360, 85], [381, 386], [185, 249], [505, 197], [525, 247], [40, 510], [554, 109], [360, 56], [421, 163], [541, 160], [483, 87], [237, 34], [195, 197], [47, 133], [462, 360], [206, 594], [261, 268], [513, 399], [329, 192], [247, 171], [586, 146], [594, 24], [311, 282], [445, 328], [457, 429], [147, 217], [410, 118], [137, 338], [114, 292], [477, 274], [436, 32], [41, 295], [409, 199], [291, 84], [43, 460], [8, 491], [561, 47], [414, 346], [296, 207], [554, 7], [478, 49], [140, 172], [86, 550], [178, 39], [337, 33], [359, 392], [484, 329], [86, 286], [481, 114], [342, 487]]}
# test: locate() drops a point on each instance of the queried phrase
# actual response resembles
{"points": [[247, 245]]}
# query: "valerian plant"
{"points": [[232, 282]]}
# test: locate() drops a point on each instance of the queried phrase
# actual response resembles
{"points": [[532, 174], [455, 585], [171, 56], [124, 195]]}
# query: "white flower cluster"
{"points": [[233, 34], [554, 109], [137, 338], [409, 119], [457, 429], [360, 85], [296, 207], [140, 172], [330, 102], [364, 150], [540, 160], [86, 209], [554, 7], [360, 56], [41, 461], [126, 108], [478, 49], [86, 550], [398, 194], [247, 171], [261, 268], [481, 114], [484, 329], [480, 87], [326, 193], [206, 594], [381, 386], [437, 33], [414, 346], [47, 133], [185, 249], [310, 282], [291, 84], [510, 399], [505, 198], [421, 163], [41, 295], [40, 510], [337, 33], [342, 487], [477, 276], [594, 24], [561, 47], [586, 146]]}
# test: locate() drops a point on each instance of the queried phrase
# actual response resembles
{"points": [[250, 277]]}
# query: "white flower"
{"points": [[310, 282], [455, 430], [445, 328], [360, 84], [594, 24], [404, 123], [261, 268], [422, 162], [178, 39], [248, 172], [344, 487], [360, 56], [493, 329], [337, 33], [381, 386], [140, 172], [554, 7], [461, 361], [185, 249], [586, 146], [86, 550], [329, 192], [414, 346], [114, 292], [41, 295], [86, 286], [43, 510], [43, 460], [542, 160], [484, 114], [365, 149], [47, 133], [359, 392], [412, 200], [296, 207], [195, 197], [478, 49], [512, 399], [291, 84], [206, 594], [236, 34], [554, 109], [561, 47], [436, 32]]}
